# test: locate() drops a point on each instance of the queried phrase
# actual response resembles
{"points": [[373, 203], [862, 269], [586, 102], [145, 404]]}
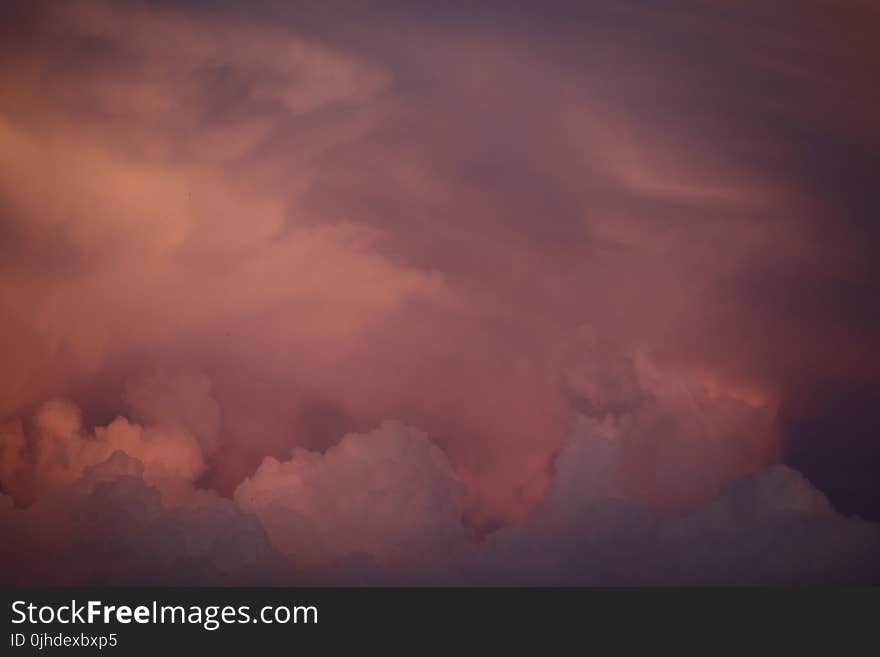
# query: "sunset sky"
{"points": [[418, 292]]}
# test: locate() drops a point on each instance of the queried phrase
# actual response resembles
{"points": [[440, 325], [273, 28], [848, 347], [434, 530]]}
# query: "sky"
{"points": [[559, 293]]}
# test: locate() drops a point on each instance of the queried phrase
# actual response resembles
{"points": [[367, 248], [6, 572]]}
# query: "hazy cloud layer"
{"points": [[404, 294]]}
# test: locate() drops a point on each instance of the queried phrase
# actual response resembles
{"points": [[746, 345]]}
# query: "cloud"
{"points": [[588, 251], [300, 216], [390, 494], [110, 527], [677, 437], [58, 452], [769, 528], [385, 507]]}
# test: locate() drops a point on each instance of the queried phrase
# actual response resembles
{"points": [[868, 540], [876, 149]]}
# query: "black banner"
{"points": [[126, 621]]}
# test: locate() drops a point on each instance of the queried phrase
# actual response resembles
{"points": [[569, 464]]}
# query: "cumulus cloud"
{"points": [[58, 451], [111, 527], [772, 527], [386, 507], [678, 437], [390, 494]]}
